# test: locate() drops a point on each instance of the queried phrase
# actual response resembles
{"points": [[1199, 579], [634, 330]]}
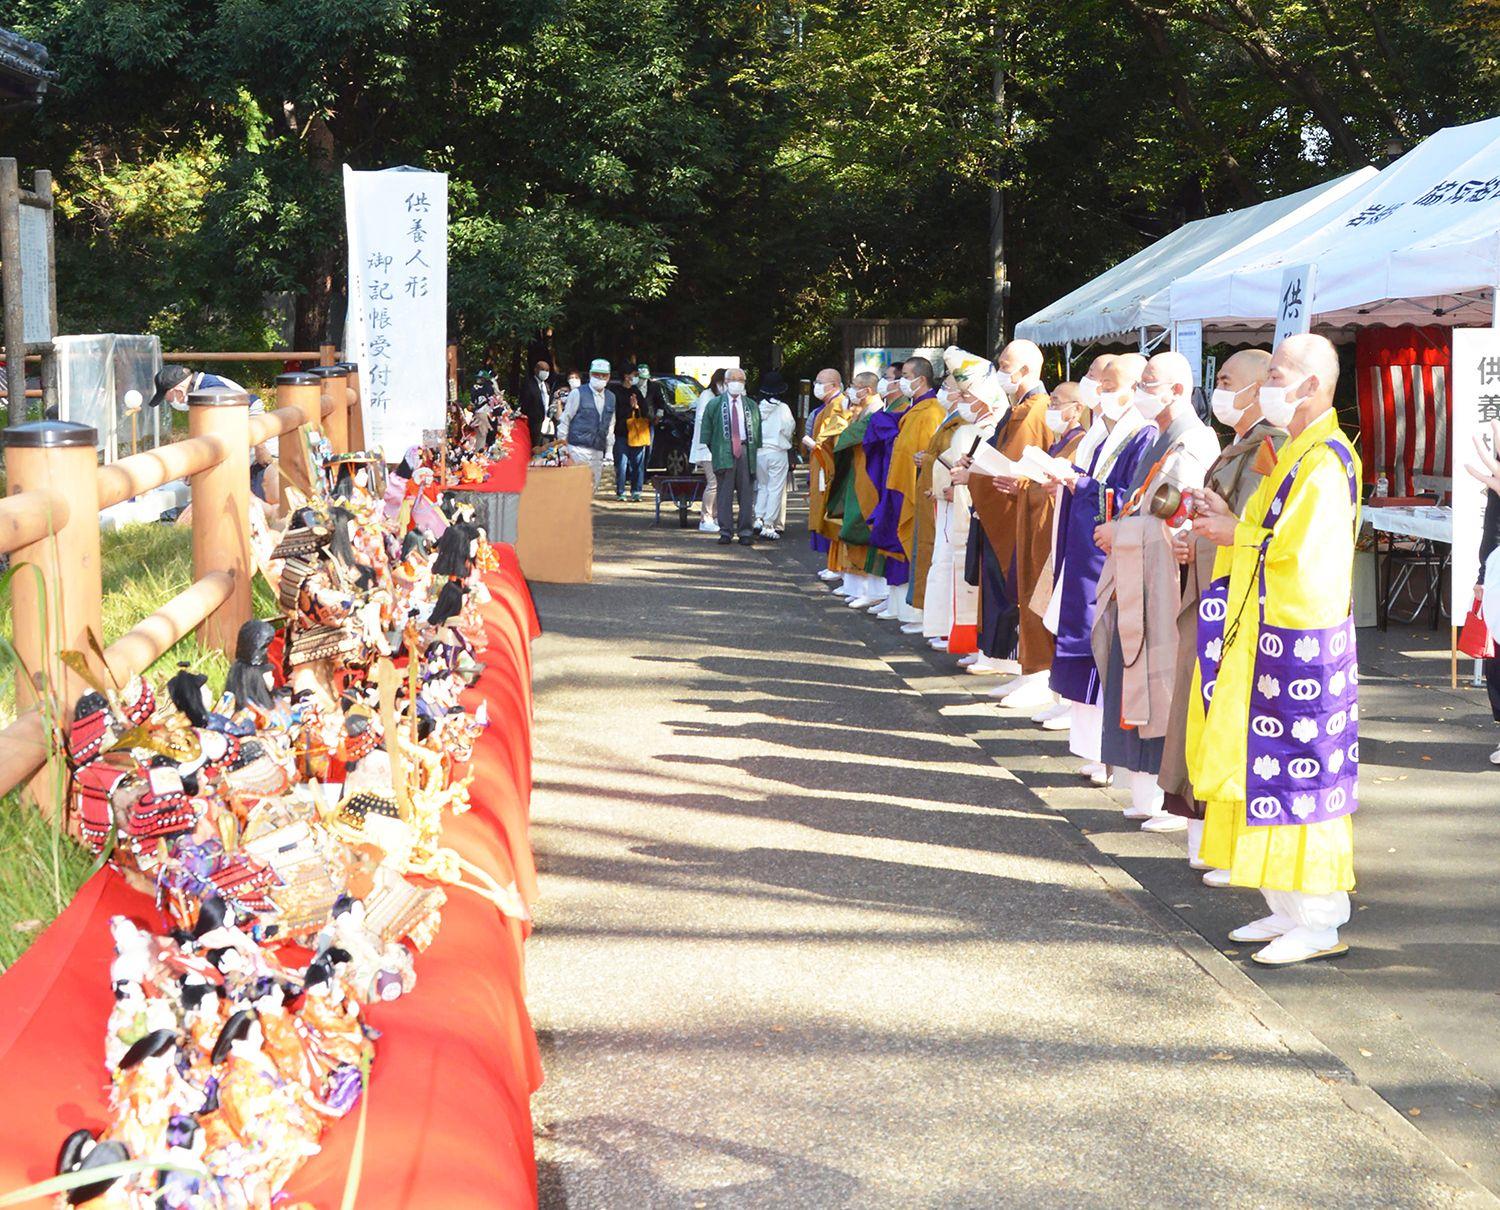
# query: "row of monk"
{"points": [[1181, 608]]}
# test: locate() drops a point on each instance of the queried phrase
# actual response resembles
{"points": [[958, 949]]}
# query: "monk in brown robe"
{"points": [[1234, 476], [1020, 370], [1036, 506]]}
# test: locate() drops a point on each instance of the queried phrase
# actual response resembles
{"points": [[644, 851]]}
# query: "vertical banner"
{"points": [[398, 302], [1187, 339], [1294, 307], [1475, 395]]}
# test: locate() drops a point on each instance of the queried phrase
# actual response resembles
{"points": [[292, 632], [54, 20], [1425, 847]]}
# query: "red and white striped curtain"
{"points": [[1404, 413]]}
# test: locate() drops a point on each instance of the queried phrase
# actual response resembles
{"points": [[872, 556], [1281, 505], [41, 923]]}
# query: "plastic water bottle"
{"points": [[1382, 486]]}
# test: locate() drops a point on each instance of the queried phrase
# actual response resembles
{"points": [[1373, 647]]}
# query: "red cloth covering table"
{"points": [[449, 1113]]}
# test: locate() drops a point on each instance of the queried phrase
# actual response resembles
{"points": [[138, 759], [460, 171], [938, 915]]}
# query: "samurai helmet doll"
{"points": [[250, 676]]}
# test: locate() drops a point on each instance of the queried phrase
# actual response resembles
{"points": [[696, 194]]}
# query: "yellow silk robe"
{"points": [[1309, 574], [917, 426], [924, 523], [832, 420]]}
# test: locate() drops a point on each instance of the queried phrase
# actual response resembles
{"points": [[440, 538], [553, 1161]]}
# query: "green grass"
{"points": [[143, 566]]}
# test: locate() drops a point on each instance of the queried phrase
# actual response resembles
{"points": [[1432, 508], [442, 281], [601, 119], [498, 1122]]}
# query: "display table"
{"points": [[497, 497], [449, 1118], [1431, 526], [555, 538]]}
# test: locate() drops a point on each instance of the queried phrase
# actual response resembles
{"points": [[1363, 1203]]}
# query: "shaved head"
{"points": [[1308, 367], [1122, 373], [1065, 394], [1170, 368], [1021, 359], [830, 377], [918, 368], [1100, 364], [1243, 374]]}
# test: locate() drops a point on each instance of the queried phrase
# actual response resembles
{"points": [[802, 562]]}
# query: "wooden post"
{"points": [[55, 607], [334, 383], [221, 510], [452, 375], [304, 391], [10, 276], [356, 409], [327, 354]]}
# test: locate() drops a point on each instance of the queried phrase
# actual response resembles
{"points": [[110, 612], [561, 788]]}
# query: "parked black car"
{"points": [[672, 426]]}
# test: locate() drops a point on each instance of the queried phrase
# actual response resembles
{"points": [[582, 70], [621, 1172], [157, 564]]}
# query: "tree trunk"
{"points": [[316, 298], [995, 327]]}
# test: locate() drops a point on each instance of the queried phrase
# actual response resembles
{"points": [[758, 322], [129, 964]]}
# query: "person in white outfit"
{"points": [[587, 426], [777, 427], [701, 457]]}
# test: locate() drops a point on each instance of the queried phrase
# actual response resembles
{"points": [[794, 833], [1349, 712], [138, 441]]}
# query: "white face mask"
{"points": [[905, 385], [1056, 425], [966, 410], [735, 387], [820, 390], [942, 396], [1088, 392], [645, 377], [573, 382], [1113, 406], [544, 374], [1225, 412], [1007, 383], [1148, 405], [597, 382], [1276, 407]]}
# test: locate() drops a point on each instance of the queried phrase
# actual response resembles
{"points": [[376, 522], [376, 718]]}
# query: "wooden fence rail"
{"points": [[49, 525]]}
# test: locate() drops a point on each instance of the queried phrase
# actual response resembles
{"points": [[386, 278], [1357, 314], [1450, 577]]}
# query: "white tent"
{"points": [[1134, 295], [1418, 244]]}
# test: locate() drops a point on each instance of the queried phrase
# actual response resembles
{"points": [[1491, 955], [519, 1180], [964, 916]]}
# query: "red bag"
{"points": [[1475, 640]]}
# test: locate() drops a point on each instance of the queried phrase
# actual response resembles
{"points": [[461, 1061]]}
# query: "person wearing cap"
{"points": [[587, 427], [173, 386], [656, 400], [175, 383], [772, 459], [731, 430]]}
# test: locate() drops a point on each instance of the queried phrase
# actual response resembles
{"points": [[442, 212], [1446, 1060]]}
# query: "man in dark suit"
{"points": [[534, 395]]}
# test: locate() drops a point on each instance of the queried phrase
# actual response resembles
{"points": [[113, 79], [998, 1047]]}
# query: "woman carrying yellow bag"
{"points": [[632, 436]]}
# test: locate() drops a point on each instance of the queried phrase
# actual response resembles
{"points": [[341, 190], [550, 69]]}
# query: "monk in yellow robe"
{"points": [[1273, 725], [902, 495], [925, 500], [823, 427]]}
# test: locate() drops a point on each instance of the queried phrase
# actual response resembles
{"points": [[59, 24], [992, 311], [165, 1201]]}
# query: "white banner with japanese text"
{"points": [[1475, 394], [398, 302]]}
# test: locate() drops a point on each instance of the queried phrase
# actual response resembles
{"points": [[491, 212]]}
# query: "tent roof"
{"points": [[1135, 293], [1420, 243]]}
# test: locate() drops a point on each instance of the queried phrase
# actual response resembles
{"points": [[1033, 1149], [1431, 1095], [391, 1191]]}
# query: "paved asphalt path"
{"points": [[809, 937]]}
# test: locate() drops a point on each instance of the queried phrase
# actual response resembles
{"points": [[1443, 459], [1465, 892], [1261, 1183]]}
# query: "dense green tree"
{"points": [[647, 177]]}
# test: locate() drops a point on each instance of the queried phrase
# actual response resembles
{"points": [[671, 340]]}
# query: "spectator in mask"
{"points": [[588, 421], [534, 398], [632, 436], [701, 458], [772, 460], [730, 428]]}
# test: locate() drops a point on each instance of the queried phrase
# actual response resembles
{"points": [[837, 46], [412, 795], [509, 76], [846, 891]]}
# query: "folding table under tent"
{"points": [[1132, 298]]}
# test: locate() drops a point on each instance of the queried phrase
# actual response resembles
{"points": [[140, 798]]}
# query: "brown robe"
{"points": [[832, 420], [1035, 506], [1235, 478], [996, 510]]}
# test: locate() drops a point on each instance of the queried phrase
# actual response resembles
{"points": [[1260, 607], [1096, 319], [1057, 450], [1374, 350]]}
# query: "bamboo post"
{"points": [[304, 391], [221, 510], [356, 408], [57, 607], [334, 383]]}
